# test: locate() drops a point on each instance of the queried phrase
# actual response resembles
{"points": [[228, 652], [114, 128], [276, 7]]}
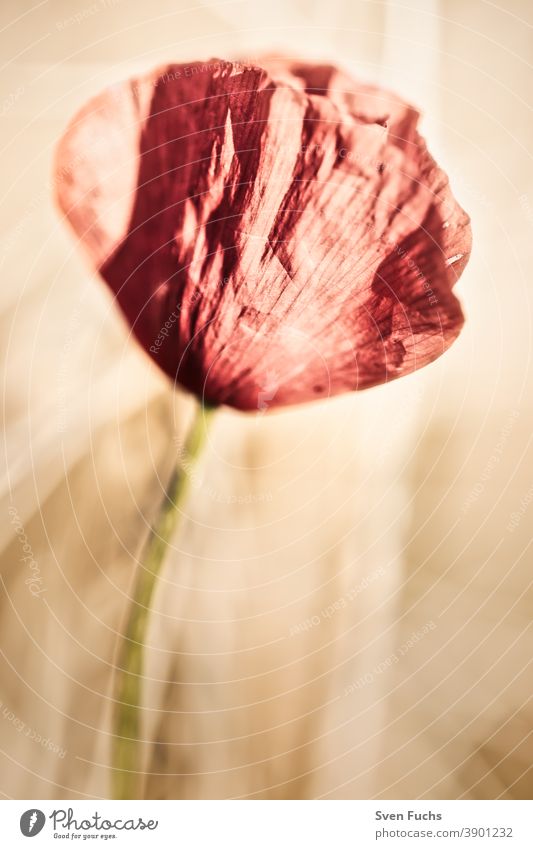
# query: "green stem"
{"points": [[126, 773]]}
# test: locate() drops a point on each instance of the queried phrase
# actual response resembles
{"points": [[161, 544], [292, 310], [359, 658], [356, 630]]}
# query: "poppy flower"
{"points": [[272, 234]]}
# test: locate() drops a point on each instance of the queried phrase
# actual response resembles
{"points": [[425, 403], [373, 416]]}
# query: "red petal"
{"points": [[272, 235]]}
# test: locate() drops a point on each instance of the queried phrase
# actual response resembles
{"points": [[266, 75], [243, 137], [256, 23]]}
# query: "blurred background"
{"points": [[346, 611]]}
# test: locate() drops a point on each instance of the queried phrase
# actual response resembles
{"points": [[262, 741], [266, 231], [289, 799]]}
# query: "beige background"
{"points": [[407, 489]]}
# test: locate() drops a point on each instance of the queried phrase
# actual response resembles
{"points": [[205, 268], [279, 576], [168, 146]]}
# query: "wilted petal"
{"points": [[272, 235]]}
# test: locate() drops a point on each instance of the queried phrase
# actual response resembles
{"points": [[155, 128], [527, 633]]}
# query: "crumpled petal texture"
{"points": [[272, 234]]}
